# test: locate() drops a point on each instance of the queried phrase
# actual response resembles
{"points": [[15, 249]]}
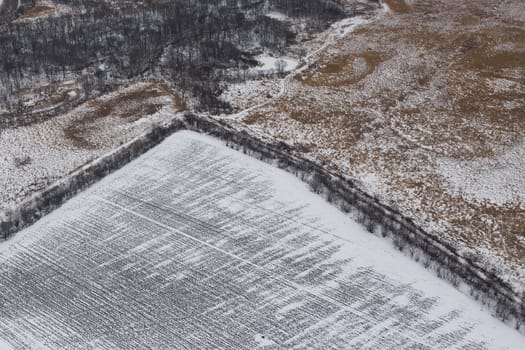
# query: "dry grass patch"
{"points": [[398, 6], [344, 70], [254, 118], [40, 8], [49, 96], [126, 107], [467, 20], [37, 11], [493, 51]]}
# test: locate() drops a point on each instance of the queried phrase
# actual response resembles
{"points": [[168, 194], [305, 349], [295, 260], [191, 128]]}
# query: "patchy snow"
{"points": [[499, 179], [49, 8], [199, 240], [371, 183], [269, 64], [411, 101], [34, 156], [278, 16], [242, 95], [348, 25], [386, 8], [503, 85]]}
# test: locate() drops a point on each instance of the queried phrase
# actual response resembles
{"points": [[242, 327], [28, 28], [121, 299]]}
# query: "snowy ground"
{"points": [[423, 104], [34, 156], [269, 64], [197, 246], [498, 179], [278, 16]]}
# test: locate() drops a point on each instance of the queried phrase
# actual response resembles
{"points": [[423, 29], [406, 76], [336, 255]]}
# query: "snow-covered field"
{"points": [[197, 246]]}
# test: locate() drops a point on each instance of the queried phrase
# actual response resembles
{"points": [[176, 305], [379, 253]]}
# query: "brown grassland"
{"points": [[39, 9], [125, 106]]}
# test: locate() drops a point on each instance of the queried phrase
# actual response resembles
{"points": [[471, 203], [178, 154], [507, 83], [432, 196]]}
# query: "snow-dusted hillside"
{"points": [[198, 246], [34, 156], [424, 105]]}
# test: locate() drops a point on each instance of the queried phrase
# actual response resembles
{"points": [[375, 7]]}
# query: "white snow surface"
{"points": [[268, 63], [4, 345], [278, 16], [197, 246], [348, 25], [477, 178]]}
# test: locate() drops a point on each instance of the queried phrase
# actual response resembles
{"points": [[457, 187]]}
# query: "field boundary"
{"points": [[424, 247]]}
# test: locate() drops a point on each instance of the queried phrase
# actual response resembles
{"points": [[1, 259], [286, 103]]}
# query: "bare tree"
{"points": [[280, 65]]}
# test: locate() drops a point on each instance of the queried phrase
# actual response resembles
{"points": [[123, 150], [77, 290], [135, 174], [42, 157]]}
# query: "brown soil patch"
{"points": [[254, 118], [467, 20], [343, 70], [127, 106], [481, 50], [58, 98], [398, 6], [37, 11]]}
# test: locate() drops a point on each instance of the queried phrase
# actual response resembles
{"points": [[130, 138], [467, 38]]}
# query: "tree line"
{"points": [[433, 252], [190, 42]]}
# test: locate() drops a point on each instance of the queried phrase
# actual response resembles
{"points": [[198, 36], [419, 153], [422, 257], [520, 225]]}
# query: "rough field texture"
{"points": [[425, 105], [35, 155], [196, 246]]}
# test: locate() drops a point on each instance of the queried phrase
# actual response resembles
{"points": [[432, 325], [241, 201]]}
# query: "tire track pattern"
{"points": [[191, 247]]}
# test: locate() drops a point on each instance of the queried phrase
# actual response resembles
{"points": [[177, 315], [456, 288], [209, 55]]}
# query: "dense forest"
{"points": [[195, 44]]}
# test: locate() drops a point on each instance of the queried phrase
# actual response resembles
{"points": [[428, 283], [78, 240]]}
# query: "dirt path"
{"points": [[336, 32]]}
